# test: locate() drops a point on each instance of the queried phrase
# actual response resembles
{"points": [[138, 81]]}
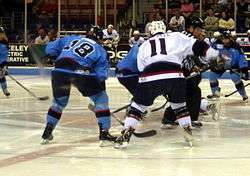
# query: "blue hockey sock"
{"points": [[3, 83], [105, 122], [102, 111], [52, 120], [214, 87]]}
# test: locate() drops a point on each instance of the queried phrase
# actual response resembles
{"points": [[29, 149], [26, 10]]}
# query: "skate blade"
{"points": [[124, 145], [189, 139], [167, 127], [216, 115], [45, 141], [105, 143], [190, 143]]}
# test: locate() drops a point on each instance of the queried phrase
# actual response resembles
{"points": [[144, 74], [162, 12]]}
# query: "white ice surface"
{"points": [[221, 148]]}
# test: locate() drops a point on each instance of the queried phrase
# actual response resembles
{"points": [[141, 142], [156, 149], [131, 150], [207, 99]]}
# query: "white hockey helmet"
{"points": [[217, 34], [248, 31], [110, 26], [233, 34], [157, 27], [136, 32]]}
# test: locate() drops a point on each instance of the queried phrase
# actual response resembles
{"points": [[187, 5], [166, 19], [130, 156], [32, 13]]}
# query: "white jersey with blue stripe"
{"points": [[172, 47]]}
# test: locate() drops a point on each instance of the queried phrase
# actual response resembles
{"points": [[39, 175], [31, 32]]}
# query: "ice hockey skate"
{"points": [[216, 95], [169, 125], [6, 92], [245, 99], [47, 134], [214, 108], [188, 136], [106, 139], [196, 124], [123, 140]]}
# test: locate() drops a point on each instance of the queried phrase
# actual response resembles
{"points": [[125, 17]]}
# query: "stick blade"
{"points": [[145, 134], [43, 98]]}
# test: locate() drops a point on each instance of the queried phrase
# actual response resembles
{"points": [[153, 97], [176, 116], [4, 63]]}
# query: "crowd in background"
{"points": [[217, 16]]}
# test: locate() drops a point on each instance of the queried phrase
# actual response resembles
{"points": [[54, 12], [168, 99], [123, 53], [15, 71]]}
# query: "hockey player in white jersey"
{"points": [[110, 37], [160, 62]]}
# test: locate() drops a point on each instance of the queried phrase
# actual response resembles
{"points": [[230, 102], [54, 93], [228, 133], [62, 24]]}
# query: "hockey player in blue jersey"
{"points": [[4, 49], [81, 62], [237, 65], [127, 71]]}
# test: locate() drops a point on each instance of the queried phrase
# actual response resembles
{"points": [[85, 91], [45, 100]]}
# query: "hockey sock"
{"points": [[55, 111], [3, 83], [184, 121], [103, 118], [214, 87], [204, 105], [53, 117], [130, 122], [102, 111], [182, 114], [134, 115]]}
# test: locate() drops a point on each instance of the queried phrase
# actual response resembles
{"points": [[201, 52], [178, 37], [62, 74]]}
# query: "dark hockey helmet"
{"points": [[95, 33], [226, 34], [195, 22]]}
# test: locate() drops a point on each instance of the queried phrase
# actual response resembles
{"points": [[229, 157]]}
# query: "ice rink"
{"points": [[221, 148]]}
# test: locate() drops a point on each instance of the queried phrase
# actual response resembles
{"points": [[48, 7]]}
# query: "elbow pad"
{"points": [[200, 48]]}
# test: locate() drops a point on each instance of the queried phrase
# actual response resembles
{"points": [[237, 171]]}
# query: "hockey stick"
{"points": [[193, 74], [153, 110], [236, 91], [148, 133], [121, 108], [31, 93]]}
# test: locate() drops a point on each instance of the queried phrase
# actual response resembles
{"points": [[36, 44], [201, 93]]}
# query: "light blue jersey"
{"points": [[128, 65], [3, 53], [237, 59], [84, 53]]}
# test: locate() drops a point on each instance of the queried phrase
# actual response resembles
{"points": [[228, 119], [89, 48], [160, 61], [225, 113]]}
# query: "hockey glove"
{"points": [[188, 63]]}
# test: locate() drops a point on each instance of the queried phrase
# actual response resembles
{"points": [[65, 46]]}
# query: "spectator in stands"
{"points": [[247, 23], [43, 38], [223, 3], [132, 28], [211, 23], [136, 39], [110, 37], [187, 8], [52, 35], [244, 40], [242, 7], [147, 27], [173, 4], [177, 22], [225, 22]]}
